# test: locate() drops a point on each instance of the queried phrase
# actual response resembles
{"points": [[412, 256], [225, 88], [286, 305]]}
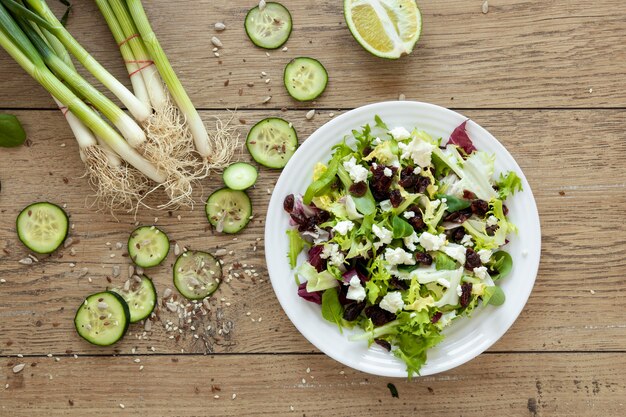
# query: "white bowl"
{"points": [[466, 338]]}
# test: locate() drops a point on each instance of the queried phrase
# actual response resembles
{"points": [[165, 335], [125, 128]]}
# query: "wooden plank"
{"points": [[577, 153], [578, 385], [523, 53]]}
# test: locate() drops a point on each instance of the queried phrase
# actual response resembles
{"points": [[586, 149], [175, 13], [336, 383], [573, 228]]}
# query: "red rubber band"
{"points": [[64, 110], [136, 35], [140, 69], [139, 62]]}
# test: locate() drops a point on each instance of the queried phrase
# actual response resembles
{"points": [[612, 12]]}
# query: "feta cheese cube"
{"points": [[432, 242], [343, 227], [409, 214], [356, 291], [485, 255], [399, 256], [358, 173], [399, 133], [480, 272], [384, 235], [392, 302], [387, 172]]}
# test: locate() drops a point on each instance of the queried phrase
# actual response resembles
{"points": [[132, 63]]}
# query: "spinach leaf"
{"points": [[443, 262], [331, 307], [494, 296], [454, 203], [296, 244], [502, 264], [401, 228], [11, 131]]}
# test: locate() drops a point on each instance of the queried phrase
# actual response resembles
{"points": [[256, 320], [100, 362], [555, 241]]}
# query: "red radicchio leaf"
{"points": [[315, 258], [347, 276], [314, 297], [460, 138]]}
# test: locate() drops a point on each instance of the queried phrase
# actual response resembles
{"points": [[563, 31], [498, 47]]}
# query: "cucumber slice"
{"points": [[272, 142], [269, 28], [148, 246], [305, 78], [102, 319], [228, 210], [140, 297], [42, 227], [240, 176], [197, 274]]}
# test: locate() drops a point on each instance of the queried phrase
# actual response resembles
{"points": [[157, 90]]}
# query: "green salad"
{"points": [[403, 235]]}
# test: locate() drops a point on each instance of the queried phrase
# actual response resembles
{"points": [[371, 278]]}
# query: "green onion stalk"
{"points": [[15, 42], [215, 149]]}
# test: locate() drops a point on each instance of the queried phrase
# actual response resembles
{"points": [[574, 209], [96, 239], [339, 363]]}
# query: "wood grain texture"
{"points": [[526, 385], [523, 53], [573, 160]]}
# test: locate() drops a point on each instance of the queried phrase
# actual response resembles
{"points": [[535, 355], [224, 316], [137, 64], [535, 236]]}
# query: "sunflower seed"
{"points": [[219, 26], [221, 252], [33, 258], [176, 249], [68, 242], [262, 5], [116, 271], [131, 271], [267, 99], [127, 286], [18, 368], [26, 261], [137, 279], [171, 307], [485, 7], [401, 97], [139, 270], [217, 42], [310, 114], [147, 326]]}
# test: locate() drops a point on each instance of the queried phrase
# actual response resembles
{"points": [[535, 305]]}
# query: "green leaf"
{"points": [[372, 291], [443, 262], [502, 264], [441, 169], [401, 228], [454, 203], [11, 131], [296, 244], [380, 123], [331, 307], [365, 204], [508, 185], [326, 179], [494, 296]]}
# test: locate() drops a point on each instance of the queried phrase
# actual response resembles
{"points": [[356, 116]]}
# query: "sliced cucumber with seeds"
{"points": [[268, 28], [140, 297], [228, 210], [148, 246], [197, 274], [272, 142], [240, 176], [305, 78], [103, 318], [42, 227]]}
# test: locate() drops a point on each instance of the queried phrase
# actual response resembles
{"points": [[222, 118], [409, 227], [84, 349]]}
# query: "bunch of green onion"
{"points": [[160, 146]]}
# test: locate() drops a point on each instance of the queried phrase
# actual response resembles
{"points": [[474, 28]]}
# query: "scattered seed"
{"points": [[310, 114], [2, 280], [267, 99], [131, 271], [18, 368], [401, 97], [267, 81], [217, 54], [291, 408], [26, 261], [308, 370], [6, 386], [176, 249], [263, 73], [72, 264], [83, 272], [122, 406], [112, 255], [485, 7], [137, 360], [57, 359], [167, 292], [331, 114], [72, 252], [303, 381], [250, 84], [590, 90], [233, 397], [216, 396], [68, 242], [592, 292], [221, 252], [285, 49], [215, 41], [171, 307], [219, 26], [127, 286], [141, 368], [262, 5], [139, 270], [116, 271]]}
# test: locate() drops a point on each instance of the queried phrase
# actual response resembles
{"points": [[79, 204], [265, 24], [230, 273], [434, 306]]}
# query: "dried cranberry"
{"points": [[472, 259], [289, 202], [422, 184], [398, 284], [491, 230], [396, 198], [435, 318], [385, 344], [380, 183], [466, 293], [408, 178], [479, 207], [423, 258], [456, 234], [343, 295], [358, 189], [468, 195], [353, 310], [459, 216], [379, 316], [416, 221]]}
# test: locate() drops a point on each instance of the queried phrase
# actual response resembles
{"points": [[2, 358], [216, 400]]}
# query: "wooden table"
{"points": [[546, 77]]}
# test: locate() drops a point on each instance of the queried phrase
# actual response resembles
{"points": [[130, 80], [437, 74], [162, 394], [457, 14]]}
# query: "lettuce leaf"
{"points": [[316, 281], [508, 184], [332, 309], [296, 244]]}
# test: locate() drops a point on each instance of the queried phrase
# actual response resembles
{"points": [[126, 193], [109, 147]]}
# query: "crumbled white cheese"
{"points": [[357, 172], [485, 255], [387, 172], [374, 165], [384, 235], [392, 302], [481, 272], [432, 242], [386, 205], [446, 318], [435, 203], [418, 151], [409, 214], [399, 133], [492, 220], [467, 241], [417, 171], [343, 227], [399, 256], [410, 241], [356, 291], [443, 282], [333, 254], [377, 141], [456, 252], [459, 290]]}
